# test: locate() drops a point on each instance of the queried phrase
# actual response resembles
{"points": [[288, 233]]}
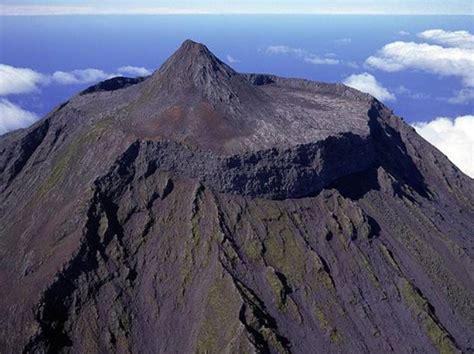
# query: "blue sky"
{"points": [[41, 7]]}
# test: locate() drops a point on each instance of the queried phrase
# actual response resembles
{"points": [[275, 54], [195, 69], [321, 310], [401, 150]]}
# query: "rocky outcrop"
{"points": [[115, 83]]}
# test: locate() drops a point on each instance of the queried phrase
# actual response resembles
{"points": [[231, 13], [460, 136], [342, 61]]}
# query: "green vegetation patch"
{"points": [[423, 313], [220, 324]]}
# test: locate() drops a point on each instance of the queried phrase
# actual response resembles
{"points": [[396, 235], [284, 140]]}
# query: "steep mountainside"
{"points": [[203, 210]]}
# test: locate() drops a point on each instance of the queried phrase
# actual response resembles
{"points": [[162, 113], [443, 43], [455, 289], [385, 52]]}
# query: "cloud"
{"points": [[399, 56], [91, 75], [460, 39], [84, 76], [321, 61], [284, 49], [343, 41], [59, 10], [453, 137], [13, 117], [231, 59], [352, 64], [134, 71], [403, 33], [64, 7], [368, 84], [23, 80], [463, 96], [18, 80], [301, 54], [402, 90], [15, 80], [455, 61]]}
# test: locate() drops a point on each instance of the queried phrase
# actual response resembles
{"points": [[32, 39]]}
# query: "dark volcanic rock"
{"points": [[203, 210], [113, 84]]}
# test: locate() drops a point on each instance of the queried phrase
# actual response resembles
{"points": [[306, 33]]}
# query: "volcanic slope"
{"points": [[203, 210]]}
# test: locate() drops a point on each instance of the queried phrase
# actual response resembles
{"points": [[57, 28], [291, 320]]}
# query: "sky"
{"points": [[422, 67], [411, 7]]}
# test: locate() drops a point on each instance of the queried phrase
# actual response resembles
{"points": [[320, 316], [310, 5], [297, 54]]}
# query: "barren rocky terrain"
{"points": [[203, 210]]}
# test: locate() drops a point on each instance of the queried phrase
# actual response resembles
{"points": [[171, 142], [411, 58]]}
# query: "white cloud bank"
{"points": [[84, 76], [89, 76], [59, 10], [231, 60], [18, 80], [367, 83], [13, 117], [146, 7], [15, 80], [343, 41], [453, 137], [454, 57], [300, 54], [464, 96], [134, 71], [460, 39], [23, 80], [398, 56]]}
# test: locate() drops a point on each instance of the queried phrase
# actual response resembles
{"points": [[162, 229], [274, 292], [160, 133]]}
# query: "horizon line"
{"points": [[235, 14], [58, 10]]}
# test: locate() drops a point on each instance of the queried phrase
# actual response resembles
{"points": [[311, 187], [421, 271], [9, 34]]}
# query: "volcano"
{"points": [[204, 210]]}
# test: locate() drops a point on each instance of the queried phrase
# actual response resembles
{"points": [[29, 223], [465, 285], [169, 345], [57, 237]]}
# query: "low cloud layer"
{"points": [[134, 71], [231, 60], [301, 54], [90, 76], [460, 39], [343, 41], [398, 56], [15, 80], [454, 58], [147, 7], [18, 80], [13, 117], [368, 83], [75, 77], [453, 137], [463, 96]]}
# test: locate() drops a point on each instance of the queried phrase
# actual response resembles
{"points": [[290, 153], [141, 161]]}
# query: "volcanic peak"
{"points": [[193, 63]]}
